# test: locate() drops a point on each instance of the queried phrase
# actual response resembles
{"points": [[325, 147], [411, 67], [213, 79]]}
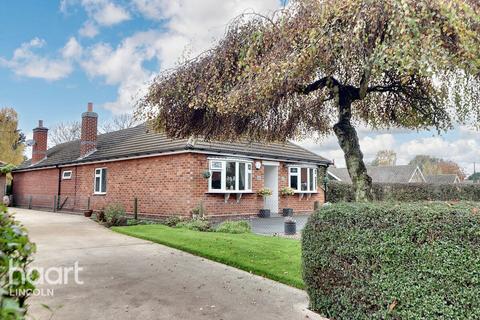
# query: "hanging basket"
{"points": [[206, 174]]}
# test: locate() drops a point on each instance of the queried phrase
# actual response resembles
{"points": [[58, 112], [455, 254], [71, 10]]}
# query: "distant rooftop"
{"points": [[382, 174]]}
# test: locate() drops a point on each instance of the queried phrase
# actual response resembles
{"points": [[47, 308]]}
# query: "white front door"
{"points": [[271, 182]]}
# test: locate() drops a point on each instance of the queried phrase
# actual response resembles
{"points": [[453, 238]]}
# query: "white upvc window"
{"points": [[67, 175], [302, 179], [230, 176], [100, 181]]}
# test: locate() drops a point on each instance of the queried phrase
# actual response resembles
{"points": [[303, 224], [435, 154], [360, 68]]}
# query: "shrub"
{"points": [[199, 211], [339, 192], [395, 261], [115, 215], [195, 225], [16, 251], [172, 221], [234, 227]]}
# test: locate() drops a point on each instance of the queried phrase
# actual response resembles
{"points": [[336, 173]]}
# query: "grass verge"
{"points": [[278, 259]]}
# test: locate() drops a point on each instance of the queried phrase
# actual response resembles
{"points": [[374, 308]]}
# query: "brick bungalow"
{"points": [[166, 176]]}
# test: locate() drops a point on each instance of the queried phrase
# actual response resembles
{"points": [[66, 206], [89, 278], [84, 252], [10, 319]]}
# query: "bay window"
{"points": [[302, 179], [230, 176]]}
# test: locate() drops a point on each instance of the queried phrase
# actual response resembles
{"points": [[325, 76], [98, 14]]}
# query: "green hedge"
{"points": [[16, 251], [343, 192], [393, 261]]}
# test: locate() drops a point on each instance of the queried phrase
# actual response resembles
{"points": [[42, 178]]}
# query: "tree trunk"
{"points": [[348, 140]]}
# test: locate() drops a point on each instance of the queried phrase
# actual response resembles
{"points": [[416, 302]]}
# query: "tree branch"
{"points": [[320, 84]]}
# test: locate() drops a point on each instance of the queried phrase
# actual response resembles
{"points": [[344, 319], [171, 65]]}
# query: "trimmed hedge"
{"points": [[343, 192], [393, 261]]}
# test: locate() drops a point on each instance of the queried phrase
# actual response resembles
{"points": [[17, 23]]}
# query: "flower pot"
{"points": [[88, 213], [264, 213], [6, 201], [290, 227], [287, 212]]}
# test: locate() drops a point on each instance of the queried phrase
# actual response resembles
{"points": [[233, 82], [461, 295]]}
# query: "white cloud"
{"points": [[194, 24], [89, 30], [329, 148], [463, 148], [190, 26], [72, 49], [100, 13], [123, 66], [107, 13], [27, 63]]}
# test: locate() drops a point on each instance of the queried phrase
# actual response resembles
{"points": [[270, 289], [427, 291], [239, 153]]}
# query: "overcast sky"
{"points": [[57, 56]]}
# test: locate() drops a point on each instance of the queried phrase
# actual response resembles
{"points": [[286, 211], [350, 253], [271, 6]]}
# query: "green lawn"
{"points": [[275, 258]]}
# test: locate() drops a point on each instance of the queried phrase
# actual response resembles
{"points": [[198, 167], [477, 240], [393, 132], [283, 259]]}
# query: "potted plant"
{"points": [[88, 213], [264, 192], [290, 226], [287, 191]]}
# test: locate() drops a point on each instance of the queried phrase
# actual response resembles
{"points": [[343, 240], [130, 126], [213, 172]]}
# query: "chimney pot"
{"points": [[90, 107], [40, 123]]}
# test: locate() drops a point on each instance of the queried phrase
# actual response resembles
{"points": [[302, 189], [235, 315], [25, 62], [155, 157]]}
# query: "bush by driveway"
{"points": [[396, 261]]}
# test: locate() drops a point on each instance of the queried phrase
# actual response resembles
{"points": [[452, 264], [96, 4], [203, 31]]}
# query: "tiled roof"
{"points": [[442, 178], [379, 174], [138, 141]]}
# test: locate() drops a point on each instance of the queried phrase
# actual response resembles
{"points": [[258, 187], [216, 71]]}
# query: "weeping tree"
{"points": [[323, 66]]}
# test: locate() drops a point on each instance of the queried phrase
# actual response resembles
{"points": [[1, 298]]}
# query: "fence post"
{"points": [[135, 208], [30, 202], [54, 203]]}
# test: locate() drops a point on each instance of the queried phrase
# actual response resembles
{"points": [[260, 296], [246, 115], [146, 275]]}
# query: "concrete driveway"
{"points": [[129, 278]]}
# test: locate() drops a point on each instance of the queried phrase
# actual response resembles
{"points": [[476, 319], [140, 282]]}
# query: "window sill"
{"points": [[227, 191], [299, 192], [99, 193]]}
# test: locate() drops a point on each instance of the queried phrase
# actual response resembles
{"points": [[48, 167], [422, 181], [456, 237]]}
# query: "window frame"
{"points": [[70, 175], [214, 167], [298, 174], [95, 176]]}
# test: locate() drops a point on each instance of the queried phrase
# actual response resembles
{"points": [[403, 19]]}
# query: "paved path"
{"points": [[275, 224], [128, 278]]}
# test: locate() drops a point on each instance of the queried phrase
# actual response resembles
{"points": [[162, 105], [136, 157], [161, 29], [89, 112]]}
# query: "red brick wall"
{"points": [[165, 185], [40, 185], [299, 205], [249, 203], [215, 203]]}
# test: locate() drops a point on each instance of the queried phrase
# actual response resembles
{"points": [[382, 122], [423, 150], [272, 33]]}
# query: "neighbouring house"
{"points": [[443, 179], [382, 174], [166, 176]]}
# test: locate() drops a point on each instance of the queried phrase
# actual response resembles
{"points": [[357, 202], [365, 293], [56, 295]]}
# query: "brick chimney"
{"points": [[39, 148], [88, 141]]}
